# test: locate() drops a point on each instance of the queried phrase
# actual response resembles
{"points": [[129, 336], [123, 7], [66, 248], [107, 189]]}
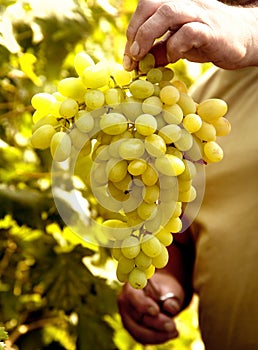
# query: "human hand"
{"points": [[198, 30], [142, 314]]}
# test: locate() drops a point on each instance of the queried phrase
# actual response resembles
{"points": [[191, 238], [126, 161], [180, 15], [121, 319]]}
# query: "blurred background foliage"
{"points": [[57, 291]]}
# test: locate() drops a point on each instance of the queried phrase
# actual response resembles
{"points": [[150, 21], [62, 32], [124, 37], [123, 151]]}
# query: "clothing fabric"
{"points": [[226, 227]]}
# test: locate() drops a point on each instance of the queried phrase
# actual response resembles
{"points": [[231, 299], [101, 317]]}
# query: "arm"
{"points": [[141, 314], [198, 30]]}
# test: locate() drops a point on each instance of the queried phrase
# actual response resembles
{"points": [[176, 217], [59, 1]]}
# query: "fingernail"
{"points": [[127, 62], [135, 49], [173, 306], [152, 311]]}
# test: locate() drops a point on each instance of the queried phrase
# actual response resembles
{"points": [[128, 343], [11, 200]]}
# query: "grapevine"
{"points": [[145, 137]]}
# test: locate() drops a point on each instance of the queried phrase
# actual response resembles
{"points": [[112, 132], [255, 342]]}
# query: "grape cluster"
{"points": [[144, 135]]}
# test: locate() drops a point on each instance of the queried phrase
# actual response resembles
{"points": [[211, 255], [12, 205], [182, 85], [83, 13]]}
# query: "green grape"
{"points": [[212, 109], [222, 126], [153, 225], [116, 170], [84, 121], [213, 151], [124, 184], [116, 252], [121, 76], [98, 174], [169, 95], [78, 138], [132, 108], [49, 119], [81, 61], [173, 114], [137, 278], [185, 142], [130, 149], [122, 277], [168, 182], [195, 153], [152, 105], [116, 193], [100, 153], [155, 145], [94, 99], [149, 272], [133, 219], [164, 236], [154, 75], [174, 225], [60, 146], [137, 167], [146, 210], [131, 203], [43, 101], [169, 165], [174, 151], [97, 76], [207, 132], [160, 121], [186, 103], [130, 247], [116, 229], [113, 97], [150, 194], [113, 123], [180, 85], [68, 108], [146, 124], [150, 176], [170, 133], [192, 122], [125, 265], [150, 245], [187, 196], [189, 172], [141, 89], [72, 88], [147, 63], [167, 73], [42, 136], [184, 185], [161, 260], [142, 261]]}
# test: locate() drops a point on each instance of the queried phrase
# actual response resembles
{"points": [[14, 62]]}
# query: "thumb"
{"points": [[171, 306]]}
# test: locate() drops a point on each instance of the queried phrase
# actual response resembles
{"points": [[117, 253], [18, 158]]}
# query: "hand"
{"points": [[141, 314], [198, 30]]}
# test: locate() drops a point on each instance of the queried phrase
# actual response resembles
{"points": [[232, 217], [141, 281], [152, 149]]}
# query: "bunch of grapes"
{"points": [[145, 135]]}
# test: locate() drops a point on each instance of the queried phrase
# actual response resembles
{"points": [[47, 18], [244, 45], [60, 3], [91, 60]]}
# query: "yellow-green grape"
{"points": [[161, 260], [131, 203], [192, 122], [149, 272], [84, 121], [113, 123], [132, 108], [185, 142], [137, 278], [184, 185], [178, 210], [174, 151], [173, 114], [124, 184], [150, 176], [180, 85], [174, 225], [43, 101], [170, 133], [207, 132], [155, 145], [169, 95], [195, 153], [150, 194], [116, 229], [116, 252], [115, 192], [154, 75], [114, 97], [160, 121], [147, 63], [130, 247], [167, 73], [222, 126], [146, 124], [189, 172], [212, 109], [72, 88], [122, 277], [152, 105], [125, 265], [78, 138], [141, 89], [150, 245], [60, 146], [146, 210], [186, 103], [121, 76], [169, 165], [68, 108], [99, 176], [42, 136], [81, 61], [142, 261], [49, 119], [94, 99], [131, 148], [153, 225], [213, 151], [168, 182], [86, 149], [164, 236], [100, 153], [116, 170], [137, 167], [96, 76], [187, 196], [38, 114]]}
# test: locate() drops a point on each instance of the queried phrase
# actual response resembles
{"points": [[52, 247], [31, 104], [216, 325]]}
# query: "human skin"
{"points": [[197, 30]]}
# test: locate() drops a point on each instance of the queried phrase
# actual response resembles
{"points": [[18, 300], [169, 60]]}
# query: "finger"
{"points": [[159, 50], [171, 306]]}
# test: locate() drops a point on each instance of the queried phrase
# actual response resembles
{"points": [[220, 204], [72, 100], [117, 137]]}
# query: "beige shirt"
{"points": [[226, 270]]}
